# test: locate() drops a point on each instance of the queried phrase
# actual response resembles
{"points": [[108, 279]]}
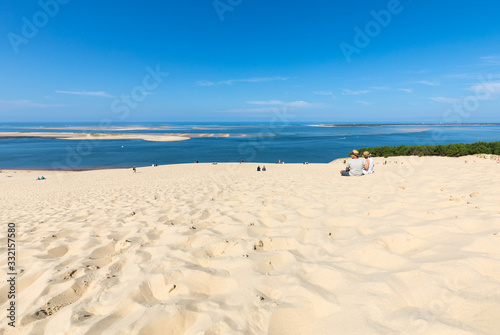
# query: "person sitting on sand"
{"points": [[368, 165], [264, 168], [354, 167], [258, 168]]}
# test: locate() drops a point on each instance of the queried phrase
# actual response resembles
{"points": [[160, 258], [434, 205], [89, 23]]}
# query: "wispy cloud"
{"points": [[445, 100], [382, 88], [364, 103], [463, 75], [326, 93], [407, 90], [428, 83], [487, 90], [349, 92], [473, 76], [232, 81], [94, 94], [205, 83], [24, 104], [490, 60]]}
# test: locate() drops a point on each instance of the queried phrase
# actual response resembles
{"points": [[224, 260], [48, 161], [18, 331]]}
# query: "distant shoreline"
{"points": [[404, 125], [177, 126]]}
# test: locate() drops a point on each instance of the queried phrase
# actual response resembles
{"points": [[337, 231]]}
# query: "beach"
{"points": [[224, 249]]}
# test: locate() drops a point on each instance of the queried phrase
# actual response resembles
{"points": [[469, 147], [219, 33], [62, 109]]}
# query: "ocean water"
{"points": [[266, 143]]}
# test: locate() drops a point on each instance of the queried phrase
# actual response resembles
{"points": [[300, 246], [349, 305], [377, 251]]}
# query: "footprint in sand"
{"points": [[58, 251], [103, 251], [55, 304], [81, 316], [69, 275], [156, 287], [402, 244]]}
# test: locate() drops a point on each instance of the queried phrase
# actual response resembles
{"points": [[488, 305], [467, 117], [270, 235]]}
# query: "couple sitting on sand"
{"points": [[358, 167]]}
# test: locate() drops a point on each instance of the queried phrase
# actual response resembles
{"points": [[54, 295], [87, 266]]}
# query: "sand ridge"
{"points": [[219, 249]]}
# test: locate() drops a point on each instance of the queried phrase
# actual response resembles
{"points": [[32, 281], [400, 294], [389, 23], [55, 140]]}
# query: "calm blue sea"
{"points": [[267, 143]]}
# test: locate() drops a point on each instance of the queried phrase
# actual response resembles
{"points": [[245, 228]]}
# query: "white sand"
{"points": [[100, 136], [223, 249]]}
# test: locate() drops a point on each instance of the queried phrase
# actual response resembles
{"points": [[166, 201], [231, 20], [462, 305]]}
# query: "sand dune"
{"points": [[223, 249]]}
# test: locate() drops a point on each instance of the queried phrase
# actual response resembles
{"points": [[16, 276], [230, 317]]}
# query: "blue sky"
{"points": [[242, 60]]}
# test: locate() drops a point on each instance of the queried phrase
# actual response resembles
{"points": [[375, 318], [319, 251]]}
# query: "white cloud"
{"points": [[325, 93], [445, 100], [95, 94], [428, 83], [232, 81], [383, 88], [490, 60], [23, 104], [364, 103], [486, 91], [407, 90], [463, 75], [349, 92], [205, 83], [301, 104]]}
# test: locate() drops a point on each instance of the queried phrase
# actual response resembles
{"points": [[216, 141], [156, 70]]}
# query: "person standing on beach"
{"points": [[134, 169], [354, 167], [368, 165]]}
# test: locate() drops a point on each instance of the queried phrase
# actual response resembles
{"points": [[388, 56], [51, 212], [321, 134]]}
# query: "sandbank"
{"points": [[98, 136]]}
